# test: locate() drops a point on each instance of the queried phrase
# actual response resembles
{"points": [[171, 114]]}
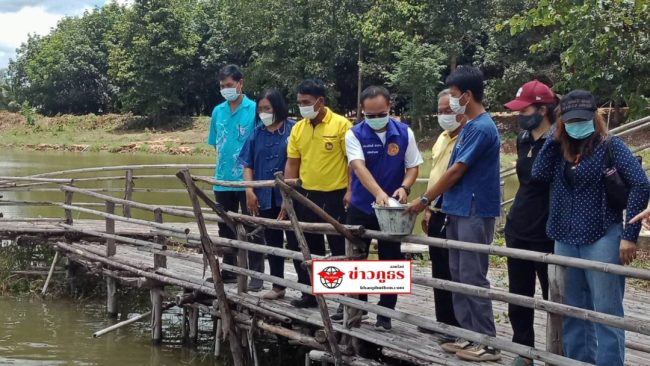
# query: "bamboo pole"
{"points": [[243, 183], [340, 228], [68, 201], [111, 285], [633, 324], [321, 356], [128, 192], [235, 346], [554, 322], [128, 321], [304, 248], [113, 237], [49, 274]]}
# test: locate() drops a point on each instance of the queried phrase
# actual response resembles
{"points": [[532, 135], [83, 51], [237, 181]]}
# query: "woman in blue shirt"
{"points": [[264, 154], [583, 224]]}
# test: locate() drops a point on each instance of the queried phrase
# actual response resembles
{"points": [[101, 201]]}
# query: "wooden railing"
{"points": [[160, 247]]}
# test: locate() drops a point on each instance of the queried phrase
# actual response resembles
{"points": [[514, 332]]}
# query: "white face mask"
{"points": [[454, 104], [267, 118], [309, 112], [230, 94], [448, 122]]}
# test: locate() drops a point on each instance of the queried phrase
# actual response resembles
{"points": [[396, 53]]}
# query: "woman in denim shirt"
{"points": [[583, 225], [264, 154]]}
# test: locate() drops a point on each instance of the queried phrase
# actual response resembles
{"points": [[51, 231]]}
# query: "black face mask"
{"points": [[531, 122]]}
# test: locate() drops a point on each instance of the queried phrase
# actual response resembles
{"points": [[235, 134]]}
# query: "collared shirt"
{"points": [[477, 193], [266, 153], [579, 212], [440, 156], [385, 158], [228, 133], [321, 150]]}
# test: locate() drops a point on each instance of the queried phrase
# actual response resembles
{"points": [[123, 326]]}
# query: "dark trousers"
{"points": [[330, 202], [521, 278], [274, 238], [387, 249], [442, 299], [233, 201]]}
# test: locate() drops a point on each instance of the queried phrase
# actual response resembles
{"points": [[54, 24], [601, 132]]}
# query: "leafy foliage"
{"points": [[161, 57]]}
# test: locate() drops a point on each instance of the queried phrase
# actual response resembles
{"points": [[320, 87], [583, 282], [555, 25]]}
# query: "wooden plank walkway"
{"points": [[420, 302]]}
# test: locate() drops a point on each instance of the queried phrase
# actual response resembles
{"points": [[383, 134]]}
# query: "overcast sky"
{"points": [[18, 18]]}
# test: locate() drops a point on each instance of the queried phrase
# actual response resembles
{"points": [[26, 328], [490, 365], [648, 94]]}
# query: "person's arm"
{"points": [[368, 181], [252, 202], [643, 215], [474, 145], [547, 160], [412, 161], [358, 165], [633, 174], [347, 198], [212, 134]]}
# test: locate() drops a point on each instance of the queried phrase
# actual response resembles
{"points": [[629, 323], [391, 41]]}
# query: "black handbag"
{"points": [[616, 190]]}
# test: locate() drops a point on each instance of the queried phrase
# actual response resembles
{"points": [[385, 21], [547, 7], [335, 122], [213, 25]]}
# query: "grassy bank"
{"points": [[125, 133], [111, 132]]}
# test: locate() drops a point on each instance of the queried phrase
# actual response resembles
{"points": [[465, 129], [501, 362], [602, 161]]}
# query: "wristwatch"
{"points": [[425, 200], [407, 189]]}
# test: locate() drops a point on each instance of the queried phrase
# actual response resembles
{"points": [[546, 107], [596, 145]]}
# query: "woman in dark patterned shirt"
{"points": [[584, 225]]}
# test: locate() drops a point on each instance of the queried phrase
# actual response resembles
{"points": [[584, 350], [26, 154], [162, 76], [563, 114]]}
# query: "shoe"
{"points": [[228, 278], [456, 346], [522, 361], [255, 286], [274, 294], [479, 353], [305, 302], [383, 324]]}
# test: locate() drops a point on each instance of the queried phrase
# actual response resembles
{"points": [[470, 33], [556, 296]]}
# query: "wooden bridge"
{"points": [[170, 252]]}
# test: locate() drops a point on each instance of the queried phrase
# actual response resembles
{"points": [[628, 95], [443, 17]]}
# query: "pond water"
{"points": [[59, 332]]}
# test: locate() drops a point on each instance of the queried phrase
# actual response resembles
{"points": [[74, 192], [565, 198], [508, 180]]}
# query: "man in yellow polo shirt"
{"points": [[316, 155], [434, 220]]}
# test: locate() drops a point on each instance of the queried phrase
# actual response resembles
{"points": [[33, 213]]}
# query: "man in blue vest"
{"points": [[385, 159]]}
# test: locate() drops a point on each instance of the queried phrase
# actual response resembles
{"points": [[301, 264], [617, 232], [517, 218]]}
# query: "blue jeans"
{"points": [[603, 292]]}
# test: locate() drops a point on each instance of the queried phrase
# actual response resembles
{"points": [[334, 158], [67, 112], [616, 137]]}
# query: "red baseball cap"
{"points": [[532, 92]]}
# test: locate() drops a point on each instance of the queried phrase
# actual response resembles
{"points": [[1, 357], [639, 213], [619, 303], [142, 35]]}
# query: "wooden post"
{"points": [[502, 211], [193, 318], [217, 339], [68, 213], [111, 284], [242, 260], [159, 261], [554, 321], [128, 192], [239, 356], [304, 248]]}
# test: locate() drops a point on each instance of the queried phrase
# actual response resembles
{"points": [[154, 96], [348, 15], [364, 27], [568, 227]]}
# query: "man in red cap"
{"points": [[526, 222]]}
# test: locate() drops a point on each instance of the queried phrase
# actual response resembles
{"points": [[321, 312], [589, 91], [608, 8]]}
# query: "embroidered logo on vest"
{"points": [[393, 149], [329, 146]]}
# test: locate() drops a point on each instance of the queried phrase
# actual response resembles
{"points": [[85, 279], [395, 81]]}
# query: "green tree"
{"points": [[156, 42], [416, 76], [603, 45], [67, 70]]}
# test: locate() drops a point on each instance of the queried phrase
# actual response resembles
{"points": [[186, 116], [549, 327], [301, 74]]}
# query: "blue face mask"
{"points": [[377, 123], [580, 130]]}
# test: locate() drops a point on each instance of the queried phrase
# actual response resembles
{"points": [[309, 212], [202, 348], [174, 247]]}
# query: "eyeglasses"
{"points": [[375, 115]]}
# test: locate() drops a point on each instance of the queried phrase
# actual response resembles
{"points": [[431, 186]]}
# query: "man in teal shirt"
{"points": [[232, 123]]}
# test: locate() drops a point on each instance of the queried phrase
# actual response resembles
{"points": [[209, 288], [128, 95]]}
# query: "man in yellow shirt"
{"points": [[434, 221], [316, 155]]}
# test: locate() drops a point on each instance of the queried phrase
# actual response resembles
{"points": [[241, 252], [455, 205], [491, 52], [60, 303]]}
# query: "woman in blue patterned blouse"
{"points": [[584, 225]]}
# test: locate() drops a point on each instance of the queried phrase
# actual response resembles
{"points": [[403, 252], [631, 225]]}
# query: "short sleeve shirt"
{"points": [[478, 192], [321, 150], [228, 133]]}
